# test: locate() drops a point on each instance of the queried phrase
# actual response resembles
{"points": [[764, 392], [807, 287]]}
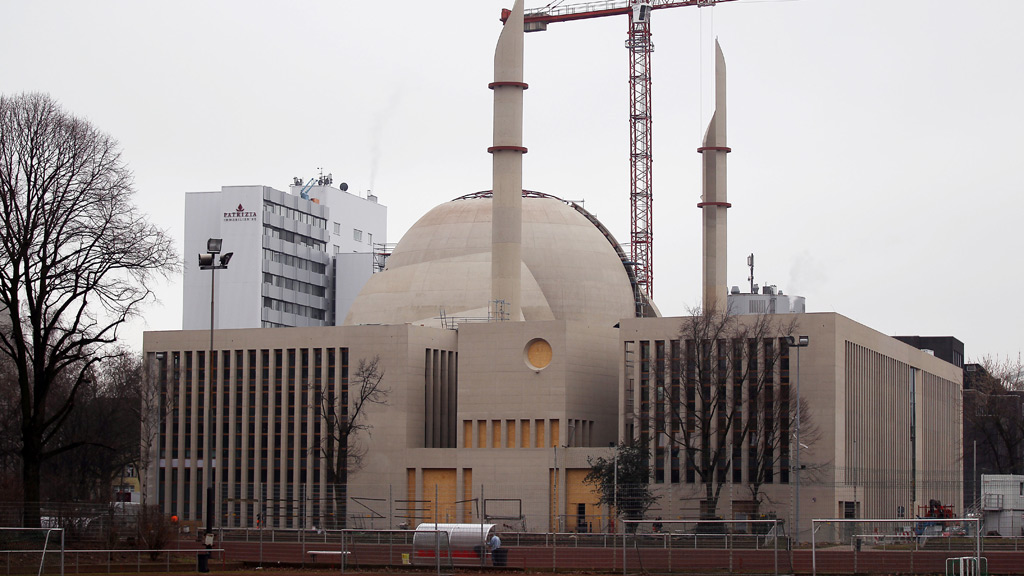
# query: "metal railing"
{"points": [[916, 530], [91, 561]]}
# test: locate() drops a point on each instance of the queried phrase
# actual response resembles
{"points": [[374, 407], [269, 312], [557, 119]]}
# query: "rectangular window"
{"points": [[357, 235], [848, 509], [369, 238], [337, 228]]}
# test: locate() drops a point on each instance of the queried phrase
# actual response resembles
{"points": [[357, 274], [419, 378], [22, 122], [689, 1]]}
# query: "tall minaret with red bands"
{"points": [[507, 172], [713, 202]]}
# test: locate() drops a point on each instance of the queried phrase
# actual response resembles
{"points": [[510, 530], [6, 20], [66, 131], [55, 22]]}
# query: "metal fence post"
{"points": [[624, 548], [814, 551], [775, 531], [668, 543], [554, 550], [343, 550], [729, 544]]}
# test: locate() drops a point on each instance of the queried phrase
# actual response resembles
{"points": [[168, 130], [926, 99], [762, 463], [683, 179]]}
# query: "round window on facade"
{"points": [[538, 354]]}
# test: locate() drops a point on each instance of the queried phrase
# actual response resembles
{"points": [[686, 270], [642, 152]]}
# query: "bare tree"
{"points": [[105, 422], [344, 418], [994, 414], [779, 448], [726, 395], [77, 261], [1009, 372], [121, 383]]}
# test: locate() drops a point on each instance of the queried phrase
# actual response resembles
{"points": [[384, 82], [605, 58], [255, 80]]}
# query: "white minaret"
{"points": [[507, 173], [713, 203]]}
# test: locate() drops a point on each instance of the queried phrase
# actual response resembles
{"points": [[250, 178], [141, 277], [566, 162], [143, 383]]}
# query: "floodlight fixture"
{"points": [[798, 341]]}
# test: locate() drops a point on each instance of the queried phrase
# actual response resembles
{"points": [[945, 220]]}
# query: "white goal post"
{"points": [[29, 541]]}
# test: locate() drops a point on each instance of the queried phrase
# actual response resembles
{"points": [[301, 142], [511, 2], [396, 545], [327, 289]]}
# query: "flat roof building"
{"points": [[299, 257], [498, 420]]}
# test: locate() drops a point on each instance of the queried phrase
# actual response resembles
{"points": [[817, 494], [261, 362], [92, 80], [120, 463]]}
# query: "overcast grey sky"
{"points": [[876, 143]]}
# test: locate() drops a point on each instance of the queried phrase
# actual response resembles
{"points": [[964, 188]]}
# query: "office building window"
{"points": [[357, 235]]}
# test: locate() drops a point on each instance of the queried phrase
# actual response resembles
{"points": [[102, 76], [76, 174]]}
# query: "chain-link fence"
{"points": [[87, 538], [100, 539], [560, 524], [566, 503], [513, 508], [111, 525]]}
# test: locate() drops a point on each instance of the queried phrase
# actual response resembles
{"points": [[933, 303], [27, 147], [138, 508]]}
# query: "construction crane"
{"points": [[638, 42]]}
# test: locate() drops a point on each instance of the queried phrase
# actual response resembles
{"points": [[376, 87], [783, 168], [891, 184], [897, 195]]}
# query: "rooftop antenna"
{"points": [[750, 262]]}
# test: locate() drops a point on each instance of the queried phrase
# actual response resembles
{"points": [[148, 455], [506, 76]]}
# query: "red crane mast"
{"points": [[638, 42]]}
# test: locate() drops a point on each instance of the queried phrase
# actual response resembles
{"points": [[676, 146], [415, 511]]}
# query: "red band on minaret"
{"points": [[494, 149], [725, 149], [703, 204], [522, 85]]}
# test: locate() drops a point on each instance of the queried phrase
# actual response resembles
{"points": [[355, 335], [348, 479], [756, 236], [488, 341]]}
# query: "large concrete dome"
{"points": [[571, 269]]}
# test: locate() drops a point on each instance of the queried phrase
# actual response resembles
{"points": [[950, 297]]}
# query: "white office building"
{"points": [[298, 257]]}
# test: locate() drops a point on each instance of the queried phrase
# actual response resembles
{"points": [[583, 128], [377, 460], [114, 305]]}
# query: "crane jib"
{"points": [[588, 10]]}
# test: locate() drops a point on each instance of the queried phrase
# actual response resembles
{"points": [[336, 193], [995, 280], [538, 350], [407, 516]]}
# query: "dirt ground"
{"points": [[271, 570]]}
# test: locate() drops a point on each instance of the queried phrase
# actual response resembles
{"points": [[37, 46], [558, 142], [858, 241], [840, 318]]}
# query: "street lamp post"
{"points": [[615, 484], [211, 260], [797, 342]]}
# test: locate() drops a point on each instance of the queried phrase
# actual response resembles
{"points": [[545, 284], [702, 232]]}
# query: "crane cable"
{"points": [[707, 66]]}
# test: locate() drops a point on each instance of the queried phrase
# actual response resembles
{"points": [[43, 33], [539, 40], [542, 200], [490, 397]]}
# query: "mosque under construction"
{"points": [[508, 365]]}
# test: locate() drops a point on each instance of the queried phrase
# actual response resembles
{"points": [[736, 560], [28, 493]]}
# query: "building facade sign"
{"points": [[240, 214]]}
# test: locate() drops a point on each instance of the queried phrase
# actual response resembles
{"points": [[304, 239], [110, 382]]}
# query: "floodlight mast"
{"points": [[797, 342], [206, 262], [638, 42]]}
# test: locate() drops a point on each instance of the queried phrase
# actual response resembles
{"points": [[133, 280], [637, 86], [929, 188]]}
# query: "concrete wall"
{"points": [[461, 403], [857, 385], [204, 219], [497, 383]]}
